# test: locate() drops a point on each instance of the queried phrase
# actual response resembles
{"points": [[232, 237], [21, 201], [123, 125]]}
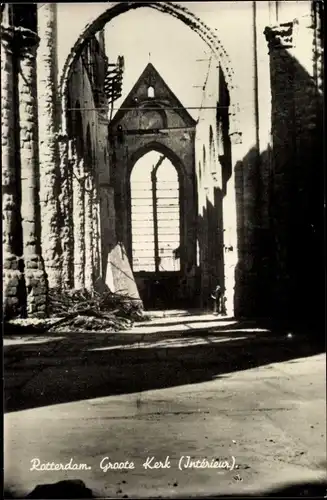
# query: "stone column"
{"points": [[13, 281], [79, 223], [284, 172], [88, 210], [298, 164], [96, 234], [35, 276], [233, 223], [246, 156], [49, 154], [263, 245], [66, 211]]}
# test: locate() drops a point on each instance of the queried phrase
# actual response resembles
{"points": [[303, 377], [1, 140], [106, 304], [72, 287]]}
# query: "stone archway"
{"points": [[184, 15], [218, 52], [175, 161], [185, 282]]}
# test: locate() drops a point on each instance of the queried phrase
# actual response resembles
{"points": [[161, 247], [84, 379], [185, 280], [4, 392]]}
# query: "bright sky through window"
{"points": [[155, 214]]}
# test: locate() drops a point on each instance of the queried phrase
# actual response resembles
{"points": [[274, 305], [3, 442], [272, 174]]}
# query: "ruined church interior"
{"points": [[245, 212], [170, 156]]}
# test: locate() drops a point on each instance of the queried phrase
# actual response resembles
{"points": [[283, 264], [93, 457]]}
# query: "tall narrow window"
{"points": [[142, 216], [155, 215], [167, 198]]}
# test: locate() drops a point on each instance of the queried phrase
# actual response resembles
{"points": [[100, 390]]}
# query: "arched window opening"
{"points": [[151, 92], [167, 198], [155, 215]]}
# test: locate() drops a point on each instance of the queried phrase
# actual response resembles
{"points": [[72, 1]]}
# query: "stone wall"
{"points": [[208, 174], [296, 195], [216, 192]]}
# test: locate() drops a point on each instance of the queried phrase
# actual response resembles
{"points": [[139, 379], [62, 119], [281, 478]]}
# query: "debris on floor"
{"points": [[82, 310]]}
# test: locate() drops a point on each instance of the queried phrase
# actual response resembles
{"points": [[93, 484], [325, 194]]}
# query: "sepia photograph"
{"points": [[164, 281]]}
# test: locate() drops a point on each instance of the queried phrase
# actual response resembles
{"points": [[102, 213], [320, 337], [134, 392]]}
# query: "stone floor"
{"points": [[198, 385]]}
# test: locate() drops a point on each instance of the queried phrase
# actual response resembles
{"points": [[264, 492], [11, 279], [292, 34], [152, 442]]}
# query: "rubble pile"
{"points": [[81, 311], [84, 310]]}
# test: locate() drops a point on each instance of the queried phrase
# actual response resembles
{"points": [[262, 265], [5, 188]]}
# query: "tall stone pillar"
{"points": [[49, 154], [233, 225], [88, 200], [13, 281], [294, 147], [67, 162], [35, 276], [79, 223], [96, 234], [246, 156], [297, 128], [263, 243]]}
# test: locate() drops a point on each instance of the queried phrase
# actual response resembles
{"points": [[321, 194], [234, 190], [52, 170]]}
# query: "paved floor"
{"points": [[198, 386]]}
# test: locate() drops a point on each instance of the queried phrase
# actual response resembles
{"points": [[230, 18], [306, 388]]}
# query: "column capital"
{"points": [[26, 42], [281, 36]]}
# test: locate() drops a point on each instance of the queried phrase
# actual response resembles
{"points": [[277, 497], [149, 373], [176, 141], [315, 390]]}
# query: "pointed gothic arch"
{"points": [[178, 11], [174, 160], [155, 214]]}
